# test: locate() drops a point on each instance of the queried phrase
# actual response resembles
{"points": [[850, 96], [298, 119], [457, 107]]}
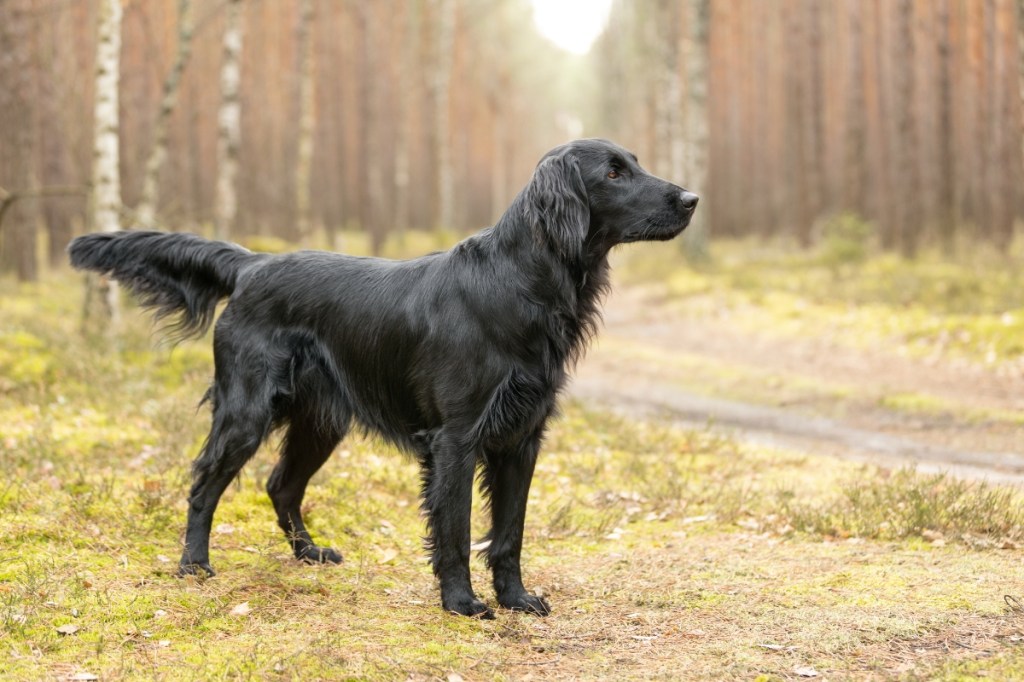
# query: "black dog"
{"points": [[456, 357]]}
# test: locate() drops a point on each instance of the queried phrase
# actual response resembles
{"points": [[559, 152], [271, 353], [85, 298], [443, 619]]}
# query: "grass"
{"points": [[665, 552], [971, 308]]}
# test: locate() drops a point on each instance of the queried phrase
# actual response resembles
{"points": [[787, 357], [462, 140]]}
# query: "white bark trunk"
{"points": [[307, 121], [146, 212], [106, 151], [229, 120], [442, 100]]}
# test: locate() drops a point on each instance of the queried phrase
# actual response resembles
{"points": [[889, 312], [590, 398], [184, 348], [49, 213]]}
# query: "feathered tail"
{"points": [[172, 273]]}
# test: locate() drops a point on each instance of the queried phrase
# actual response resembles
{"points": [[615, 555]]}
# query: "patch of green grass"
{"points": [[922, 404]]}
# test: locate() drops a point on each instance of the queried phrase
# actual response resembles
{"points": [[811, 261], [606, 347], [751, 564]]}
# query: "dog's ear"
{"points": [[557, 206]]}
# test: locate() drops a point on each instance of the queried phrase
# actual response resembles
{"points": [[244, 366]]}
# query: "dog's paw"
{"points": [[525, 602], [201, 569], [469, 606], [319, 555]]}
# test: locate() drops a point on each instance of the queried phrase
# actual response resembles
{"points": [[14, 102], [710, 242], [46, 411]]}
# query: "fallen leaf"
{"points": [[454, 677], [387, 556], [805, 671], [85, 676], [242, 609], [224, 529], [68, 629]]}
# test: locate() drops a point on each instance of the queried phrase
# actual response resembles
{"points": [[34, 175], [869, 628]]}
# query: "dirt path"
{"points": [[812, 394]]}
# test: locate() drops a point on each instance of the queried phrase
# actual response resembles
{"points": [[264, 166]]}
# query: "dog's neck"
{"points": [[572, 289]]}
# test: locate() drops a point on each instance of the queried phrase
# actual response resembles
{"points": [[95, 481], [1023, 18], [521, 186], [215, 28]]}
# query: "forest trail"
{"points": [[812, 394]]}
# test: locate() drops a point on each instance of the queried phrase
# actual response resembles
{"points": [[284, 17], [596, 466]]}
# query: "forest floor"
{"points": [[724, 498]]}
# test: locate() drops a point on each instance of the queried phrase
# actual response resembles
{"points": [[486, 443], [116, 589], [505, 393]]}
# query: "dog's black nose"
{"points": [[688, 200]]}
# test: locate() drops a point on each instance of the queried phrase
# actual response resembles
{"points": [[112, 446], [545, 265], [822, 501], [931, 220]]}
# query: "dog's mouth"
{"points": [[659, 229]]}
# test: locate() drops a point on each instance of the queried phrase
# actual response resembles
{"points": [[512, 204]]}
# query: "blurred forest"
{"points": [[303, 118]]}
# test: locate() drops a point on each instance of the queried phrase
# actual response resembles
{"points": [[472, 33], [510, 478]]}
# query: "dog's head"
{"points": [[594, 193]]}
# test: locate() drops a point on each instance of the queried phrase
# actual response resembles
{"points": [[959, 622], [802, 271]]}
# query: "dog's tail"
{"points": [[172, 273]]}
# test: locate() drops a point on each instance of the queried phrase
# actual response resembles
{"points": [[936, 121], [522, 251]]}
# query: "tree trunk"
{"points": [[106, 177], [664, 32], [946, 134], [372, 186], [814, 148], [443, 60], [1002, 189], [1020, 81], [907, 207], [18, 221], [146, 212], [307, 121], [856, 166], [404, 134], [695, 158], [229, 122]]}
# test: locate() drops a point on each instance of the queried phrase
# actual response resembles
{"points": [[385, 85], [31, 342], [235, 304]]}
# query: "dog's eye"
{"points": [[613, 174]]}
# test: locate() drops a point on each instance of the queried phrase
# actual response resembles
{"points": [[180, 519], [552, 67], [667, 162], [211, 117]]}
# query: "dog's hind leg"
{"points": [[307, 445], [507, 479], [239, 426], [243, 411], [448, 497]]}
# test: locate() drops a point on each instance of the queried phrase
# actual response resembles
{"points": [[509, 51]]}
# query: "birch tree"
{"points": [[146, 212], [106, 180], [229, 121]]}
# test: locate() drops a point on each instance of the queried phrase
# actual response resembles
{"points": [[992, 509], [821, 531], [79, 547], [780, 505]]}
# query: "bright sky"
{"points": [[573, 25]]}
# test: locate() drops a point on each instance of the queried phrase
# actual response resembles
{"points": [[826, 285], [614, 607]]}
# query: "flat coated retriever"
{"points": [[455, 357]]}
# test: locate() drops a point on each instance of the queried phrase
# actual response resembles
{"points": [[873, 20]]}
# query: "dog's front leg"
{"points": [[508, 481], [448, 497]]}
